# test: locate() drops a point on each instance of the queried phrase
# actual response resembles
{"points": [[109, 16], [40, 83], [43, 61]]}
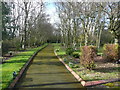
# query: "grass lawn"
{"points": [[100, 51], [103, 70], [61, 50], [113, 85], [15, 64]]}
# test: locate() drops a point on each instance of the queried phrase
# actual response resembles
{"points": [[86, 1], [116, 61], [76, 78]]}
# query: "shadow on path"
{"points": [[46, 71], [49, 84]]}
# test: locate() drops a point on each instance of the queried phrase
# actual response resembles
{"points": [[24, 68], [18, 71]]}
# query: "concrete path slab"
{"points": [[46, 71]]}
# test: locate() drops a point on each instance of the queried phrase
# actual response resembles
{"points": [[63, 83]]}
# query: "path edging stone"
{"points": [[72, 72], [26, 65], [94, 83]]}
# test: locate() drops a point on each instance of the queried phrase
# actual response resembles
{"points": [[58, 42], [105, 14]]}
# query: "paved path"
{"points": [[47, 71]]}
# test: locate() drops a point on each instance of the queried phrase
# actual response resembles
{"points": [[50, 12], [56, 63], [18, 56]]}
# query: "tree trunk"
{"points": [[25, 25], [86, 39], [116, 41], [99, 38]]}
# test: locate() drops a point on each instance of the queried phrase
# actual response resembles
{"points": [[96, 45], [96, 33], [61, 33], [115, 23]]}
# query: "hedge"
{"points": [[87, 56], [111, 52]]}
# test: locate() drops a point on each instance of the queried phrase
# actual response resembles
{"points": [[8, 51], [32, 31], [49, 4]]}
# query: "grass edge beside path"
{"points": [[15, 64]]}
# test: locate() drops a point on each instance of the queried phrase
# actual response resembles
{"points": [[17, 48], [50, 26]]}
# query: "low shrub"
{"points": [[75, 66], [57, 50], [87, 56], [71, 64], [62, 44], [66, 60], [111, 52], [10, 45], [75, 54], [5, 46], [69, 51], [16, 43]]}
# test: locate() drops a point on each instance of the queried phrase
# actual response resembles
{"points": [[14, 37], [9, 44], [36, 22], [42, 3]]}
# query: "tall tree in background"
{"points": [[25, 24], [26, 10], [112, 13], [5, 20], [87, 20]]}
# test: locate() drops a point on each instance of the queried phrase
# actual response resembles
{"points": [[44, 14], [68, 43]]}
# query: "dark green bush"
{"points": [[57, 50], [5, 47], [10, 45], [16, 43], [71, 64], [62, 44], [75, 54], [87, 56], [111, 52], [66, 60], [75, 66], [69, 51]]}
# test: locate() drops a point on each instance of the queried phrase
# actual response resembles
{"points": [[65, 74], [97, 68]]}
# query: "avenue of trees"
{"points": [[25, 24], [89, 23], [94, 26]]}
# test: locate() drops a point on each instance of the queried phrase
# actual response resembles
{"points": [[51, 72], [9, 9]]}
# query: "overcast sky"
{"points": [[51, 10]]}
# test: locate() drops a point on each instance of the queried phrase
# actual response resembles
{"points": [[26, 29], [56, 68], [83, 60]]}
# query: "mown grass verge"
{"points": [[15, 64], [61, 51]]}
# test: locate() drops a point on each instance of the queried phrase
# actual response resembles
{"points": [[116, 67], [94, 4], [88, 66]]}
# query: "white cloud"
{"points": [[51, 10]]}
